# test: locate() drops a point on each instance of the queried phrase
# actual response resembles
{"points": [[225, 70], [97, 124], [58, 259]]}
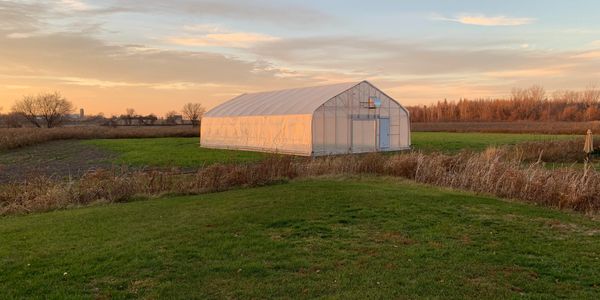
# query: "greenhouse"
{"points": [[312, 121]]}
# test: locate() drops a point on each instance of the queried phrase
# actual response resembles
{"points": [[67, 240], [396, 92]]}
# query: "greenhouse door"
{"points": [[364, 135], [384, 133]]}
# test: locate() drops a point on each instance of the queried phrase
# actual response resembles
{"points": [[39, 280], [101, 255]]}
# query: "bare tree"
{"points": [[591, 94], [29, 109], [536, 93], [194, 112], [49, 109]]}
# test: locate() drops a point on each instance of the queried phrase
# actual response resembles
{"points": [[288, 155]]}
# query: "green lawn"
{"points": [[353, 238], [181, 152], [452, 142]]}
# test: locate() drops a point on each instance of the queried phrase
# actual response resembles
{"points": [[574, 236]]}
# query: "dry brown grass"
{"points": [[45, 193], [19, 137], [509, 127], [490, 172], [562, 151], [493, 172]]}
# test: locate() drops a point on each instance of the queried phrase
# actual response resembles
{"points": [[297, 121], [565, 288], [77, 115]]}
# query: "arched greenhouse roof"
{"points": [[299, 101]]}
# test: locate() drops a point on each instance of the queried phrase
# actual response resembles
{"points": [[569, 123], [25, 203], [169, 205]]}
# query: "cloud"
{"points": [[109, 77], [594, 54], [257, 11], [74, 4], [18, 35], [14, 87], [184, 86], [438, 65], [482, 20], [376, 57], [71, 55], [233, 39], [21, 17], [203, 28], [209, 35], [531, 73]]}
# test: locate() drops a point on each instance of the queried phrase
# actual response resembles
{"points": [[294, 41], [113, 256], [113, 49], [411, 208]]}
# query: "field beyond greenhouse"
{"points": [[160, 217]]}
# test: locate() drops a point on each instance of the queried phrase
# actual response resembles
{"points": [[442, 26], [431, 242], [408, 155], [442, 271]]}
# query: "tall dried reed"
{"points": [[562, 151], [20, 137], [509, 127], [44, 193], [489, 172]]}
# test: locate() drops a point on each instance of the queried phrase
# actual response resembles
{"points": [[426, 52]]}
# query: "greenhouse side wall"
{"points": [[288, 134]]}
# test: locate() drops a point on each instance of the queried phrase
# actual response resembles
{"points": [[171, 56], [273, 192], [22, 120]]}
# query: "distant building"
{"points": [[136, 120], [77, 117], [178, 119], [174, 120]]}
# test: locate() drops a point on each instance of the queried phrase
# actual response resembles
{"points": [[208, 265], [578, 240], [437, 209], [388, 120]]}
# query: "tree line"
{"points": [[52, 110], [528, 104]]}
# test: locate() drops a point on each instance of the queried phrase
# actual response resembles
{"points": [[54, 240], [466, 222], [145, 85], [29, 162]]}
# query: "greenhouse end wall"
{"points": [[348, 123]]}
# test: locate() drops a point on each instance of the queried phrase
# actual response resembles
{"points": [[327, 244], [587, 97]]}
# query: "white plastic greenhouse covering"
{"points": [[323, 120]]}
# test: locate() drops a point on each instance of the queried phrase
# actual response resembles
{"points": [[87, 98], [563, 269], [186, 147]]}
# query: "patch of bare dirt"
{"points": [[61, 159]]}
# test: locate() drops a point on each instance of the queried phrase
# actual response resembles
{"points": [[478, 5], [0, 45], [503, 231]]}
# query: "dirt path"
{"points": [[57, 158]]}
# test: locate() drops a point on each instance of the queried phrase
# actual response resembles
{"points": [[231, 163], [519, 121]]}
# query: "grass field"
{"points": [[72, 158], [367, 238], [181, 152], [185, 152], [453, 142]]}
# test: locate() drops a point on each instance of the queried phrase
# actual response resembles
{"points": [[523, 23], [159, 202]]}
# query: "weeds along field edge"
{"points": [[496, 171], [555, 127], [561, 151], [20, 137]]}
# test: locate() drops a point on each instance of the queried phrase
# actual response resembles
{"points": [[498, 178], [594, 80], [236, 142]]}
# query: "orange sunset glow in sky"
{"points": [[154, 56]]}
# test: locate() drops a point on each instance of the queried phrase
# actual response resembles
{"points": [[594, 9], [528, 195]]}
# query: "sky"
{"points": [[155, 56]]}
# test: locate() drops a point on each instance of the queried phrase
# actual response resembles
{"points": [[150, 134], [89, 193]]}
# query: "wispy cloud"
{"points": [[595, 54], [530, 73], [74, 4], [210, 35], [268, 12], [483, 20], [232, 39], [72, 55], [18, 35]]}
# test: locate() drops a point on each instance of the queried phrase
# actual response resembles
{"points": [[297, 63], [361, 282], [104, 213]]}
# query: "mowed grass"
{"points": [[342, 238], [167, 152], [452, 142]]}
